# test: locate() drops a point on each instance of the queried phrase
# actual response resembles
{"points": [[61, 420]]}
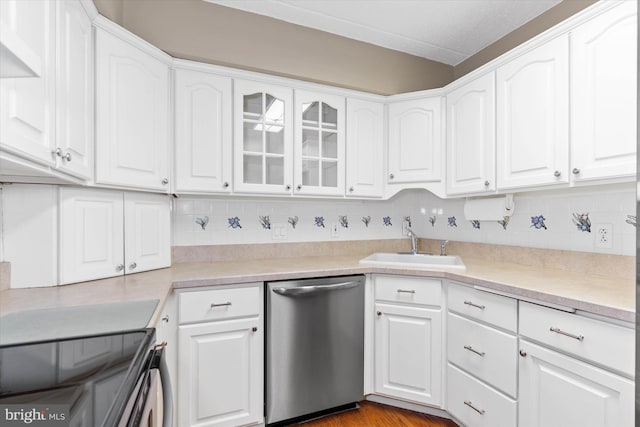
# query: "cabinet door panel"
{"points": [[74, 100], [91, 234], [603, 96], [556, 390], [471, 137], [365, 130], [203, 132], [415, 141], [147, 232], [132, 115], [408, 352], [220, 374], [532, 117], [26, 104]]}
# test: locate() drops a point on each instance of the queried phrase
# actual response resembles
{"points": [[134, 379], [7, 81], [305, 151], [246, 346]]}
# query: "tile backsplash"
{"points": [[555, 219]]}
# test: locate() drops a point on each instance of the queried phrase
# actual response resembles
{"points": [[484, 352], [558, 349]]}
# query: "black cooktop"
{"points": [[78, 381]]}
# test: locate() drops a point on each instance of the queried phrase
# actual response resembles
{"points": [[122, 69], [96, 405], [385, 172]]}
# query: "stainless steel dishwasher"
{"points": [[314, 346]]}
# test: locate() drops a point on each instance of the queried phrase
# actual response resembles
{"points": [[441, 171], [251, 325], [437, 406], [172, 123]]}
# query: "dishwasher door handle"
{"points": [[306, 290]]}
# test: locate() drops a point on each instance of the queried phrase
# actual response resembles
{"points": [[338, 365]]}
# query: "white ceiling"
{"points": [[447, 31]]}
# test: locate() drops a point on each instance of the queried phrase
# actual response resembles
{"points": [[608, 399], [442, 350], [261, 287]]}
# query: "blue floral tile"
{"points": [[319, 221], [293, 220], [505, 221], [407, 219], [452, 221], [582, 222], [632, 220], [203, 222], [344, 221], [475, 224], [265, 221], [386, 221], [432, 220], [366, 220], [538, 222], [234, 222]]}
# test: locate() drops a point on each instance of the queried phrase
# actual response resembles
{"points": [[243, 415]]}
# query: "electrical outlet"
{"points": [[335, 230], [604, 236], [279, 232]]}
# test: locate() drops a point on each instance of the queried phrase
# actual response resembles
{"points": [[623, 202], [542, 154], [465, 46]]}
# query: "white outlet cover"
{"points": [[604, 236]]}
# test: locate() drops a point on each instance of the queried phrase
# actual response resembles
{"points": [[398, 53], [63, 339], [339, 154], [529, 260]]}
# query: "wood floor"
{"points": [[373, 414]]}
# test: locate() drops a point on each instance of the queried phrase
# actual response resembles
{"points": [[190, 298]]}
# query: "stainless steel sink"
{"points": [[423, 261]]}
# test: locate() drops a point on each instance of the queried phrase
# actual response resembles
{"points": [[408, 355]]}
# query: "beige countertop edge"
{"points": [[592, 294]]}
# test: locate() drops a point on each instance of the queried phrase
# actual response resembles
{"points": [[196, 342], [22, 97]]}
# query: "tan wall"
{"points": [[206, 32], [551, 17]]}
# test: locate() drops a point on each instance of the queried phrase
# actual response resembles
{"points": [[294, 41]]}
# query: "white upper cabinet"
{"points": [[202, 132], [365, 139], [415, 141], [263, 143], [471, 137], [533, 117], [603, 95], [132, 113], [26, 104], [319, 144], [74, 97]]}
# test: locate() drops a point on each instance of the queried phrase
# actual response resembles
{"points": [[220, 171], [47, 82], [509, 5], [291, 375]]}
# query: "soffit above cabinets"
{"points": [[447, 31]]}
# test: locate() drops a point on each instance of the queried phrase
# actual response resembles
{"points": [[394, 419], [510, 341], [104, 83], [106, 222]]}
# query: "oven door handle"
{"points": [[167, 395]]}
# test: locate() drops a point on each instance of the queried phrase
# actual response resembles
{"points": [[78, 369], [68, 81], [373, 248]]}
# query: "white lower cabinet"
{"points": [[220, 363], [559, 391], [408, 340]]}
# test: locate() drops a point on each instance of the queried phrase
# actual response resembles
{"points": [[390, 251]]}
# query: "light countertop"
{"points": [[613, 298]]}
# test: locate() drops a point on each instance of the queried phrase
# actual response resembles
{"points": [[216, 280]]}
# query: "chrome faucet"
{"points": [[443, 247], [414, 241]]}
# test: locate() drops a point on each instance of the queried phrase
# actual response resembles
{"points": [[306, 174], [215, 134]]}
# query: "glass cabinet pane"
{"points": [[311, 114], [311, 173], [329, 173], [310, 143], [275, 139], [330, 145], [275, 170], [329, 116], [252, 137], [252, 105], [275, 110], [252, 169]]}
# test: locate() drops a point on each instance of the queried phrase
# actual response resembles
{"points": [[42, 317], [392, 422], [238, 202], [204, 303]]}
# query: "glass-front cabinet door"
{"points": [[263, 147], [319, 144]]}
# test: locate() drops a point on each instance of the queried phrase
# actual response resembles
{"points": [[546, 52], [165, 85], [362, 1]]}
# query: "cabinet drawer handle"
{"points": [[406, 291], [481, 307], [470, 405], [473, 350], [566, 334], [224, 304]]}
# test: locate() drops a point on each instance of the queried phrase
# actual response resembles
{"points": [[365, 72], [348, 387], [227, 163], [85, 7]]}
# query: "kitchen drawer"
{"points": [[484, 306], [484, 352], [593, 340], [409, 290], [491, 407], [219, 304]]}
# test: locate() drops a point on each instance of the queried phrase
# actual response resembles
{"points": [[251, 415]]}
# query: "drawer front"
{"points": [[484, 352], [484, 406], [484, 306], [607, 344], [218, 304], [409, 290]]}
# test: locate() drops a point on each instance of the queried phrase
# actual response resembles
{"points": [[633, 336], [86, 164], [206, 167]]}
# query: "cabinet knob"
{"points": [[165, 318], [254, 329], [379, 313], [391, 176], [119, 267], [165, 181], [557, 174], [67, 157], [288, 187], [486, 183], [299, 187], [350, 189], [58, 152], [225, 185], [523, 353], [132, 266], [575, 171]]}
